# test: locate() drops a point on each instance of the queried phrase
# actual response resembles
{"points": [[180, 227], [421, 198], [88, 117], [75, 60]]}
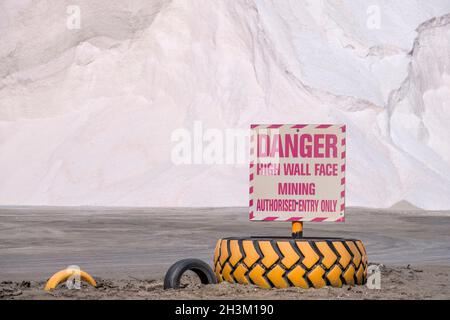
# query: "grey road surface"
{"points": [[123, 243]]}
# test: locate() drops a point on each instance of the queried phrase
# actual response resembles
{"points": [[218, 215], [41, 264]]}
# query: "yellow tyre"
{"points": [[65, 274], [285, 262]]}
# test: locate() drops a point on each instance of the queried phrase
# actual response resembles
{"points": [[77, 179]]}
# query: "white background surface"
{"points": [[86, 115]]}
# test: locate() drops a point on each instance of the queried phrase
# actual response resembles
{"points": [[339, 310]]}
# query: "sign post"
{"points": [[297, 229]]}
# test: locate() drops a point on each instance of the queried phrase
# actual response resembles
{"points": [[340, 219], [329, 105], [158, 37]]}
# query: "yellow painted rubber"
{"points": [[63, 275], [286, 262]]}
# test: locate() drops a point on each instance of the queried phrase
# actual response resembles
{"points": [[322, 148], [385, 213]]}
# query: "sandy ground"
{"points": [[396, 283], [128, 251]]}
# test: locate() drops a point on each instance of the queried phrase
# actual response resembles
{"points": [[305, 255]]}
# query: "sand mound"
{"points": [[87, 115]]}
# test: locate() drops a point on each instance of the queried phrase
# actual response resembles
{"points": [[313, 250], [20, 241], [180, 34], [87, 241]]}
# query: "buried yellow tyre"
{"points": [[285, 262], [65, 274]]}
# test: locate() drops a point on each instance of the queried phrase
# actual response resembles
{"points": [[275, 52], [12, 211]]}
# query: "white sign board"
{"points": [[297, 172]]}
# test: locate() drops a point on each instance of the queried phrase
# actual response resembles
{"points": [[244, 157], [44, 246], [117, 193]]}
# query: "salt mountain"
{"points": [[86, 115]]}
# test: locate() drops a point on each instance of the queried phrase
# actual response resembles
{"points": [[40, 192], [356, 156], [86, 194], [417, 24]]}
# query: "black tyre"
{"points": [[176, 271]]}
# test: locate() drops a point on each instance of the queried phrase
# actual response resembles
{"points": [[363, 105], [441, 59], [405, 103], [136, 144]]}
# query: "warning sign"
{"points": [[297, 172]]}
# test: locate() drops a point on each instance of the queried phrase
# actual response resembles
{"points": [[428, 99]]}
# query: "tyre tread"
{"points": [[266, 260]]}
